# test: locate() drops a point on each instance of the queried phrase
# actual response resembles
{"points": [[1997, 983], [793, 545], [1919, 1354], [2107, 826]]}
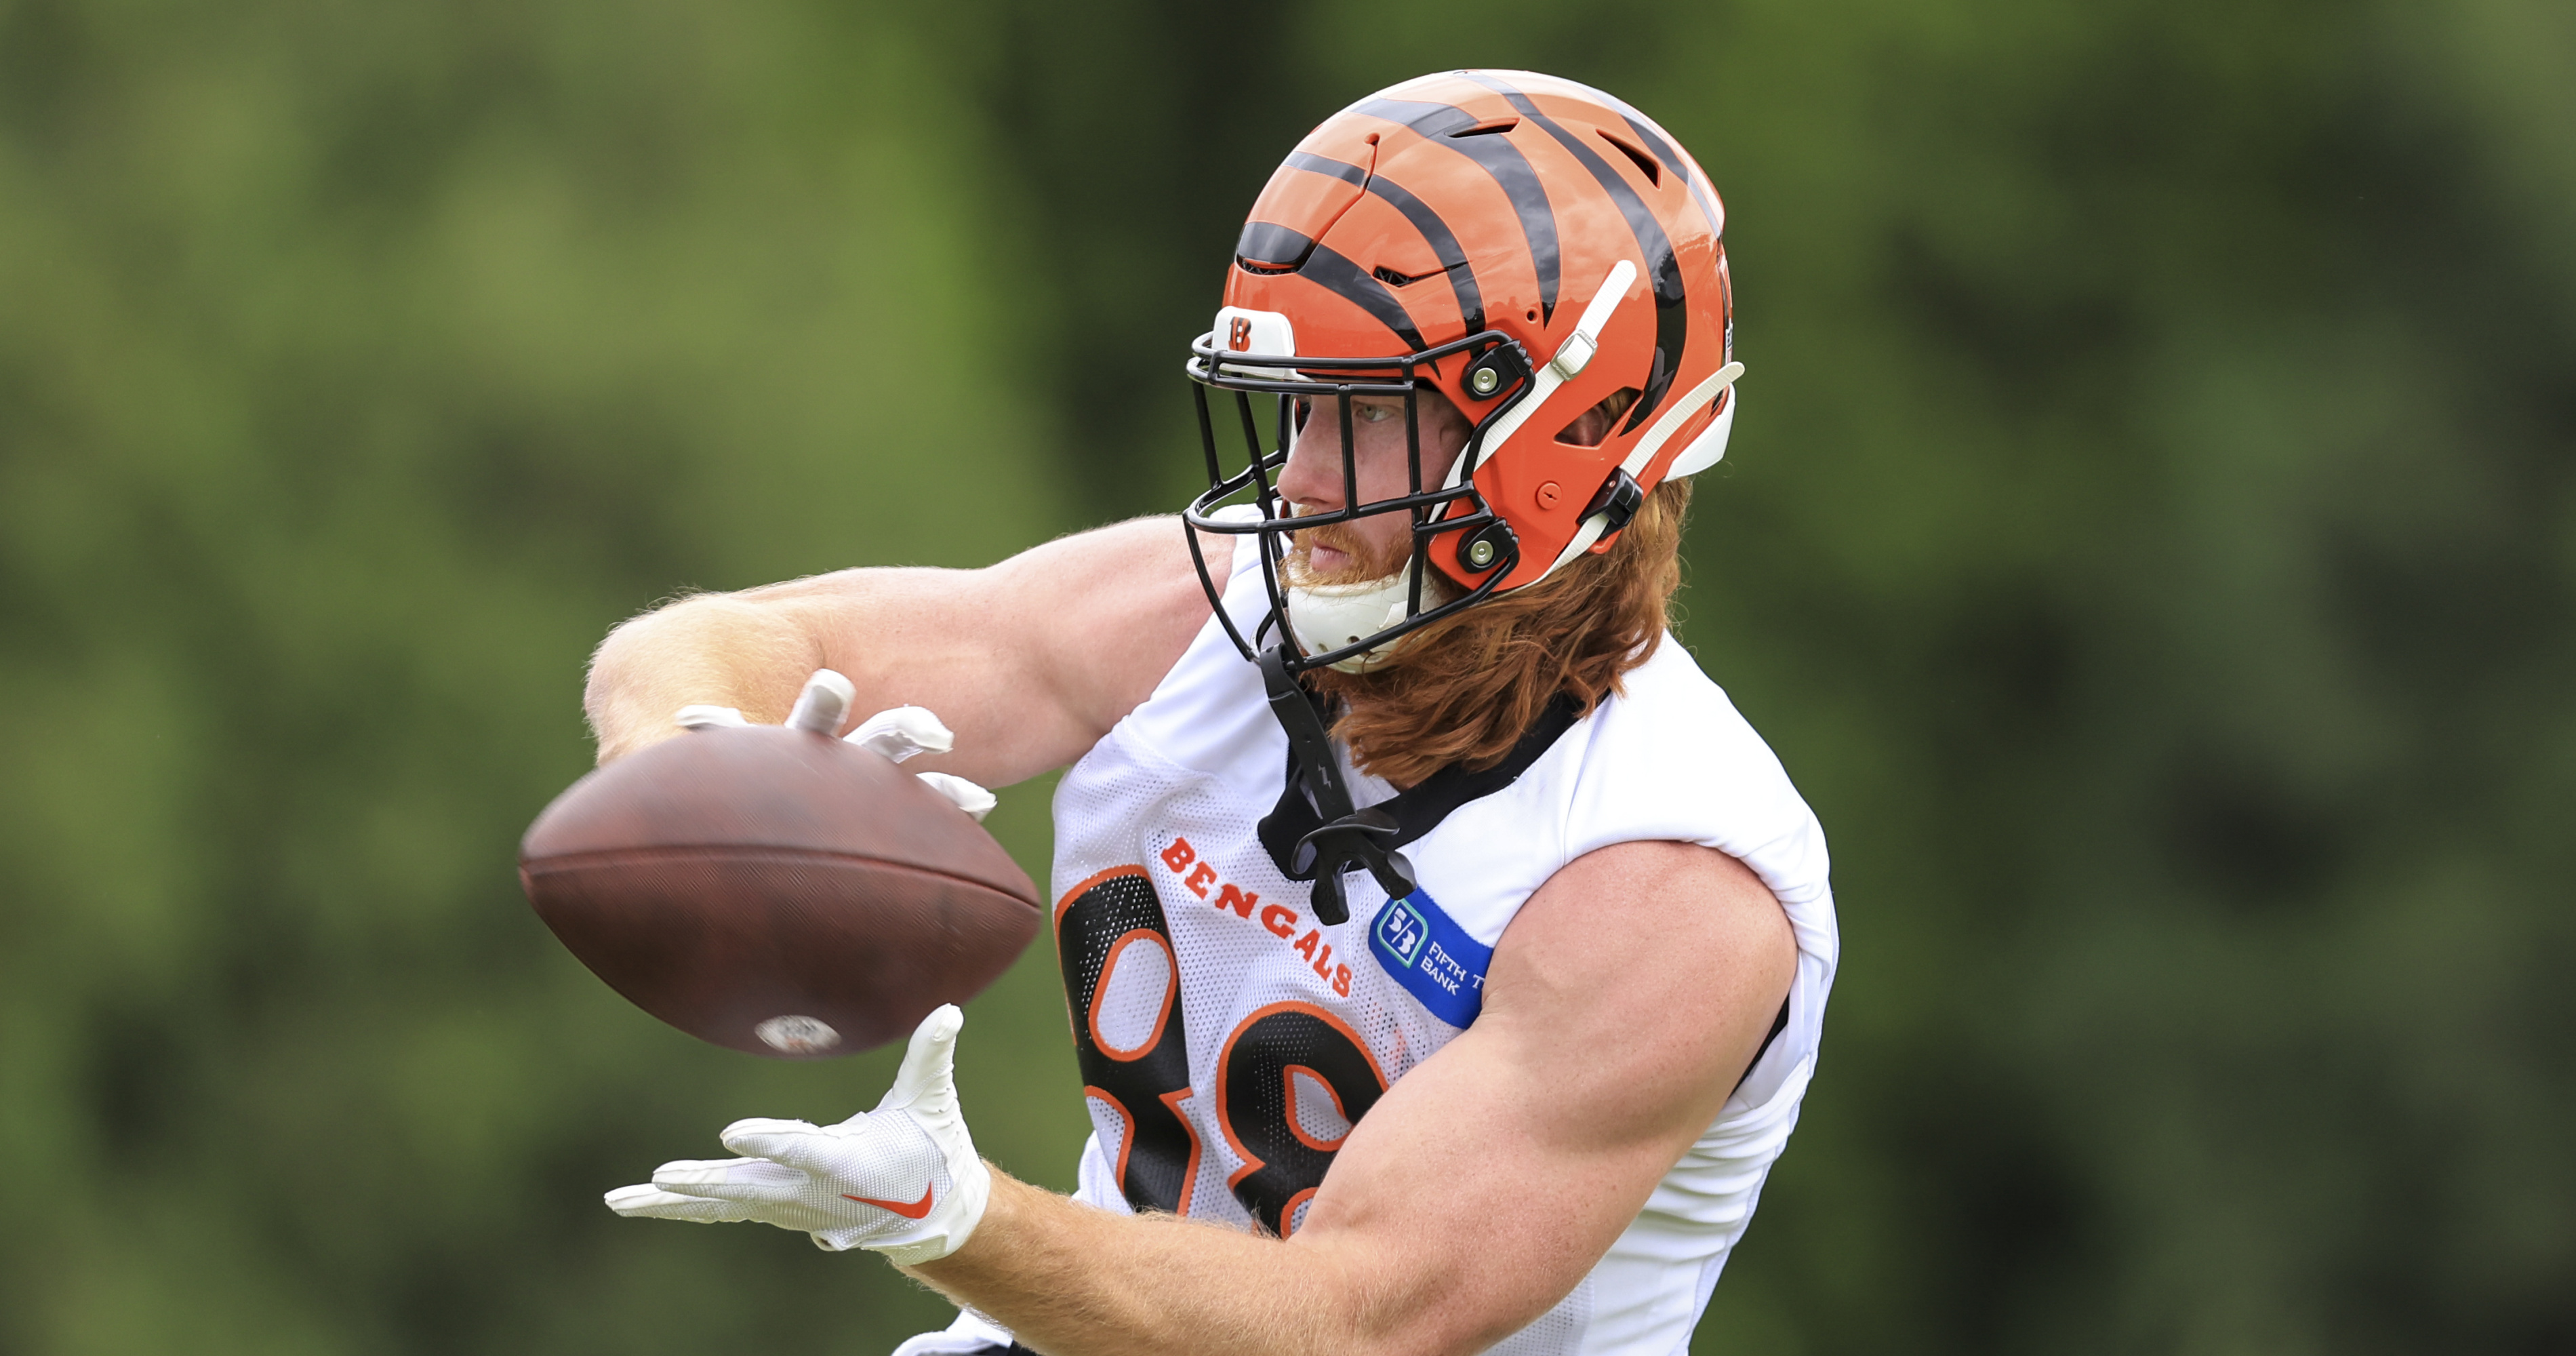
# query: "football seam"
{"points": [[570, 860]]}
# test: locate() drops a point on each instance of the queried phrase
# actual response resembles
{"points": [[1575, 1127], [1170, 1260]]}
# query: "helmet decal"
{"points": [[1673, 162], [1326, 165], [1665, 151]]}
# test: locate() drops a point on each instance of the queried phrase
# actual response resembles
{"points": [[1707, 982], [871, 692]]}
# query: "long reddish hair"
{"points": [[1468, 687]]}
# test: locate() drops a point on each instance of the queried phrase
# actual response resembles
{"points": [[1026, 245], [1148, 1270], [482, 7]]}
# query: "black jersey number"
{"points": [[1098, 928], [1265, 1059]]}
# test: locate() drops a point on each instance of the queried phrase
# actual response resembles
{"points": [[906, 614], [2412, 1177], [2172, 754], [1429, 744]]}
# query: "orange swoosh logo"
{"points": [[915, 1210]]}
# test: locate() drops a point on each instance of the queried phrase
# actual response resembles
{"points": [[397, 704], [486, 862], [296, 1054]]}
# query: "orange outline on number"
{"points": [[1171, 996], [1288, 1078], [1077, 892], [1127, 1140], [1055, 921], [1288, 1212], [1129, 1054], [1190, 1172], [1225, 1077]]}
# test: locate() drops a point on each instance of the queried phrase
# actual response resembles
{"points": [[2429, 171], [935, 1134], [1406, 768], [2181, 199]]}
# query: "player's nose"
{"points": [[1313, 475]]}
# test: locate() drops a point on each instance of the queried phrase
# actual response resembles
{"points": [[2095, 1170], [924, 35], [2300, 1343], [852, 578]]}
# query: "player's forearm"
{"points": [[1071, 1280], [717, 649]]}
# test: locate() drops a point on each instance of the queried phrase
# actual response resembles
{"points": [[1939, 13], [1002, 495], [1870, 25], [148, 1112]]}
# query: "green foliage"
{"points": [[2148, 543]]}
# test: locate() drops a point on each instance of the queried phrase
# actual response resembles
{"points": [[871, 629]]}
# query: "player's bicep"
{"points": [[1623, 1004]]}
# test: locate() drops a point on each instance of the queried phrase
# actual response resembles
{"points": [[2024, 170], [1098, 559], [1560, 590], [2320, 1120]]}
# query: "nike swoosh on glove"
{"points": [[903, 1180]]}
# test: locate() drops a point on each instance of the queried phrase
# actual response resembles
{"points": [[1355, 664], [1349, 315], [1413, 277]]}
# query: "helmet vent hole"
{"points": [[1270, 248], [1394, 279], [1593, 425], [1645, 163], [1485, 129]]}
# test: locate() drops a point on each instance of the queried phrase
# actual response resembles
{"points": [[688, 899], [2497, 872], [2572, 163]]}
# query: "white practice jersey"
{"points": [[1228, 1038]]}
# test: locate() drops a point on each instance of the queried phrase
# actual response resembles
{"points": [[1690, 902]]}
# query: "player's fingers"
{"points": [[963, 794], [902, 732], [739, 1179], [929, 1062], [824, 703], [789, 1146], [648, 1202], [763, 1137]]}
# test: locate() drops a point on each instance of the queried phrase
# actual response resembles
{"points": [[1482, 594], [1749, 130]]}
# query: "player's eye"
{"points": [[1374, 411]]}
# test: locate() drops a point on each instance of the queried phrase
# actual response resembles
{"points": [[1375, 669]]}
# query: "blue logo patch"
{"points": [[1432, 957]]}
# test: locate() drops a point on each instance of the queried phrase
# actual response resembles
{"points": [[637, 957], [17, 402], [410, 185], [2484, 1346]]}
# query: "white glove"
{"points": [[903, 1180], [897, 733], [901, 732]]}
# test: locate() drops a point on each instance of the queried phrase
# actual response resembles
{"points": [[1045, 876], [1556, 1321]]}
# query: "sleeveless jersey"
{"points": [[1227, 1038]]}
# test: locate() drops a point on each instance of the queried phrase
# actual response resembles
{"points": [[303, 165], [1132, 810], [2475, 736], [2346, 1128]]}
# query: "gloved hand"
{"points": [[903, 1180], [898, 733]]}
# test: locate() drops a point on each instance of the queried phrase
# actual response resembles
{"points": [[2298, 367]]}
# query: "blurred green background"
{"points": [[2151, 546]]}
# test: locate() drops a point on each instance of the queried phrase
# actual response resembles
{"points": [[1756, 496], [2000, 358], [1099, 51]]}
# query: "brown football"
{"points": [[776, 891]]}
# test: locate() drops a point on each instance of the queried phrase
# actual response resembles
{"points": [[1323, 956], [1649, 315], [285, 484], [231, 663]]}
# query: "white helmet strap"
{"points": [[1657, 434], [1572, 357]]}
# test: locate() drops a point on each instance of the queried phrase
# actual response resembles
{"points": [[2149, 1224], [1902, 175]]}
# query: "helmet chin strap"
{"points": [[1571, 358], [1349, 840]]}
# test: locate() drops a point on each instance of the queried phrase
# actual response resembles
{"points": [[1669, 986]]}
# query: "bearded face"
{"points": [[1378, 545], [1350, 557]]}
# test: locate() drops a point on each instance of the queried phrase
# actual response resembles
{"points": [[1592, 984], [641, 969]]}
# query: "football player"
{"points": [[1446, 956]]}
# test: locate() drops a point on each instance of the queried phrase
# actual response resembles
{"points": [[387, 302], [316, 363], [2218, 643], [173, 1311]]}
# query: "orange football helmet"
{"points": [[1532, 249]]}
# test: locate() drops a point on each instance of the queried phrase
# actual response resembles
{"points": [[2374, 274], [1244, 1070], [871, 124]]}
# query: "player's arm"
{"points": [[1623, 1004], [1030, 661]]}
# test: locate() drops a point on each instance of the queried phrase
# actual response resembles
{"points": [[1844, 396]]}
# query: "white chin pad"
{"points": [[902, 732], [1330, 616], [700, 716]]}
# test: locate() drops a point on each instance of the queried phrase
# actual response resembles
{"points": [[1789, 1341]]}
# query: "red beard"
{"points": [[1360, 564]]}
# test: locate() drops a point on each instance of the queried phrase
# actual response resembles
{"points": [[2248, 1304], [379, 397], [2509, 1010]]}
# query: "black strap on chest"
{"points": [[1315, 835]]}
